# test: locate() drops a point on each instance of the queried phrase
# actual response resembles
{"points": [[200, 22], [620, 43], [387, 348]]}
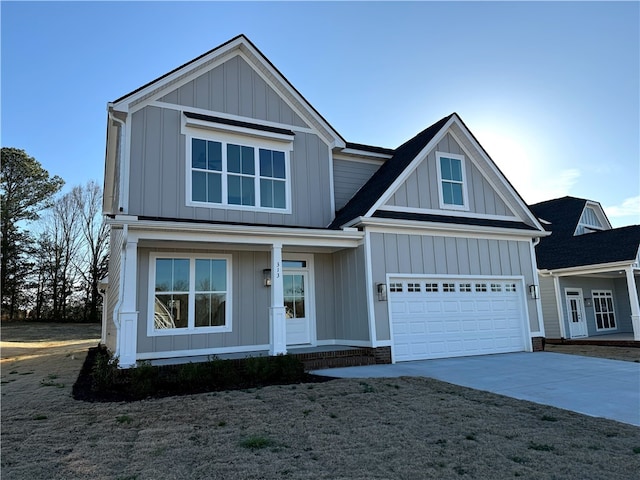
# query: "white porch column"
{"points": [[277, 321], [128, 334], [633, 301]]}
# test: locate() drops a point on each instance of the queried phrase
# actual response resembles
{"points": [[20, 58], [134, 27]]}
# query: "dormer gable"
{"points": [[593, 219], [570, 216]]}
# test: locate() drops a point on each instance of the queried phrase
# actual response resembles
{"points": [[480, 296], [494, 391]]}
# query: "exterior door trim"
{"points": [[576, 329]]}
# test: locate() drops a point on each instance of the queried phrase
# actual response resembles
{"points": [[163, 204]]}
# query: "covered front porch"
{"points": [[609, 340], [598, 303]]}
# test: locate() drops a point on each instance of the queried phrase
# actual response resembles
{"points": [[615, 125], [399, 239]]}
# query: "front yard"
{"points": [[356, 429]]}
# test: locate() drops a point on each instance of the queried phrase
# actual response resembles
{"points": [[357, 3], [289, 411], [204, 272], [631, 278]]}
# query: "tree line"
{"points": [[54, 245]]}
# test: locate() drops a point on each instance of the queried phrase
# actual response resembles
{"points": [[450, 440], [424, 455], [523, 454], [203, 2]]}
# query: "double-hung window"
{"points": [[189, 294], [238, 173], [452, 185]]}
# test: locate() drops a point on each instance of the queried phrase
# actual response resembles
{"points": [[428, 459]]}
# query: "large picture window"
{"points": [[237, 175], [603, 309], [451, 181], [189, 294]]}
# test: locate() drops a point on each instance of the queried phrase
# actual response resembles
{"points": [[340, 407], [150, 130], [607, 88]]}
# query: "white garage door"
{"points": [[442, 317]]}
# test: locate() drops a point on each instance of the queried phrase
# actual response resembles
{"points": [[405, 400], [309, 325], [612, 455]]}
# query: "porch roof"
{"points": [[597, 248]]}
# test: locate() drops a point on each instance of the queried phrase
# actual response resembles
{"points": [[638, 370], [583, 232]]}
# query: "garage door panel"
{"points": [[443, 317]]}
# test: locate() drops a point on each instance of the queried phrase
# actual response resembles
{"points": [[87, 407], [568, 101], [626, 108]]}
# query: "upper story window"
{"points": [[452, 183], [232, 174], [234, 164]]}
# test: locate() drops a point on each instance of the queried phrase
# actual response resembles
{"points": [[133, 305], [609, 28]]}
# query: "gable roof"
{"points": [[564, 250], [240, 43], [597, 248], [563, 214], [371, 191]]}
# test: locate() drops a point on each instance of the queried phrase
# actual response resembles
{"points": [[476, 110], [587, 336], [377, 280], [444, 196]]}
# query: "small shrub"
{"points": [[40, 417], [636, 449], [256, 442], [366, 388], [541, 447], [549, 418], [124, 419]]}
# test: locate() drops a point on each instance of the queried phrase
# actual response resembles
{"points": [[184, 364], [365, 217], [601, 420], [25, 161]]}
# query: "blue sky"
{"points": [[550, 89]]}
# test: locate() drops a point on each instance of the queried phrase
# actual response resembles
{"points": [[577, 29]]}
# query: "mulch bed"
{"points": [[126, 388]]}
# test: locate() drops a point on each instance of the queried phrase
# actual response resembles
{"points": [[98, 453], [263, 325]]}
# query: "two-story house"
{"points": [[242, 222], [588, 272]]}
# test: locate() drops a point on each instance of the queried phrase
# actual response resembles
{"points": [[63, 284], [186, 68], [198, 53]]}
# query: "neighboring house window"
{"points": [[448, 287], [451, 181], [465, 287], [603, 309], [189, 294], [395, 287], [229, 173]]}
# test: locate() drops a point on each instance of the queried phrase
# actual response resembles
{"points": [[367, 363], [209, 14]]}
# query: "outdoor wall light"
{"points": [[534, 292], [266, 277], [381, 289]]}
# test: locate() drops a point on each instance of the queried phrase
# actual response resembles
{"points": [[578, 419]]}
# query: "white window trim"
{"points": [[284, 145], [465, 196], [191, 328], [604, 294]]}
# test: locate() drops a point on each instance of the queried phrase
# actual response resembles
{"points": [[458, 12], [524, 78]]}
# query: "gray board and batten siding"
{"points": [[235, 88], [549, 307], [420, 190], [440, 255], [340, 301], [158, 167], [349, 176]]}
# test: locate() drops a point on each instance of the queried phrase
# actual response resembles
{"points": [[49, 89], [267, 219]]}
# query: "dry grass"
{"points": [[356, 429]]}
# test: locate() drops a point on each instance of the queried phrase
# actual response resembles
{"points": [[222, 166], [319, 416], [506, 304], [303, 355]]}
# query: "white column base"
{"points": [[635, 321], [278, 328], [127, 337]]}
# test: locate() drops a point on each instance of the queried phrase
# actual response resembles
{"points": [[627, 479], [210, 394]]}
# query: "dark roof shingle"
{"points": [[371, 191]]}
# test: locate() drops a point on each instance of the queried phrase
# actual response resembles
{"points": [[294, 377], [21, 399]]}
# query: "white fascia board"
{"points": [[499, 174], [589, 269], [410, 168], [386, 225], [350, 153], [237, 130], [185, 231], [449, 213]]}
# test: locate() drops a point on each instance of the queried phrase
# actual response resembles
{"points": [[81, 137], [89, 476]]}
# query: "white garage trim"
{"points": [[517, 332]]}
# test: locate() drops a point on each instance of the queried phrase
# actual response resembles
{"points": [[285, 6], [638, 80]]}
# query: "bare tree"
{"points": [[92, 258], [59, 245]]}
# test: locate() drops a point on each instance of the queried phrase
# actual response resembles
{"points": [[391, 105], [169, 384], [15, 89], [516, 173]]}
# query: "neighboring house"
{"points": [[589, 272], [242, 222]]}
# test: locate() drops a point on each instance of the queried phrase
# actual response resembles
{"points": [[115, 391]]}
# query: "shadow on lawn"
{"points": [[100, 379]]}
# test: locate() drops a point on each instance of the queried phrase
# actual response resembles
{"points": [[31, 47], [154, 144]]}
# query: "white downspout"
{"points": [[121, 150], [123, 266]]}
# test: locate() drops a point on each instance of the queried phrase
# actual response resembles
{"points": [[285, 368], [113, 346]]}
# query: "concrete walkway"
{"points": [[592, 386]]}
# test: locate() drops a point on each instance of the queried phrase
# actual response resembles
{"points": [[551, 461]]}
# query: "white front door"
{"points": [[296, 305], [575, 311]]}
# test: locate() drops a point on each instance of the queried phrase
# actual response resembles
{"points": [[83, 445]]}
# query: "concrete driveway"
{"points": [[592, 386]]}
